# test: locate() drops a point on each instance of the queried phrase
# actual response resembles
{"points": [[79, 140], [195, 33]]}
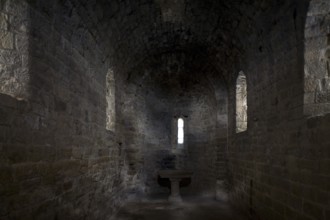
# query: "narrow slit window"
{"points": [[180, 131], [110, 101], [241, 103]]}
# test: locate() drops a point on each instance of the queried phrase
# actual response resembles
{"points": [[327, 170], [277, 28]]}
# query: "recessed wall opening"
{"points": [[110, 100], [317, 60], [327, 54], [180, 140], [241, 103]]}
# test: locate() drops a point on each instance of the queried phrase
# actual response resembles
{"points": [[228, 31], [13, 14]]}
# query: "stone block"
{"points": [[22, 43], [9, 57], [4, 134], [311, 165], [25, 171], [14, 7], [8, 101], [4, 207], [6, 177], [313, 210], [6, 40], [38, 153], [327, 214], [294, 202], [325, 166], [5, 117], [3, 22], [30, 185]]}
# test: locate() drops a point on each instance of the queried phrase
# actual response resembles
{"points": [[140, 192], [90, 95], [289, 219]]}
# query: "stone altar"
{"points": [[175, 176]]}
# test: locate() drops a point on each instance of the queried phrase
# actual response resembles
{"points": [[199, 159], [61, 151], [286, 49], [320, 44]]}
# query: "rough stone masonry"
{"points": [[91, 91]]}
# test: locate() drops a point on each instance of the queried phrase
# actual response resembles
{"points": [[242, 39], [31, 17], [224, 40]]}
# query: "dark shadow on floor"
{"points": [[190, 209]]}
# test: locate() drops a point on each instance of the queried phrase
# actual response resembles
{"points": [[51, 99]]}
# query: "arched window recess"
{"points": [[241, 103]]}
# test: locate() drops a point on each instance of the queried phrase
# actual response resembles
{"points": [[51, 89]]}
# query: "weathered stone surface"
{"points": [[75, 144], [3, 22], [7, 40]]}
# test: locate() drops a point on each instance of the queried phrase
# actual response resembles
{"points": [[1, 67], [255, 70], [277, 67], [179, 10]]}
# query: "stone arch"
{"points": [[317, 59], [241, 103]]}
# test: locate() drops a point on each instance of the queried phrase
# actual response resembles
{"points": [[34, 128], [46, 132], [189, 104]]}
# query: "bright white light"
{"points": [[180, 131], [180, 123]]}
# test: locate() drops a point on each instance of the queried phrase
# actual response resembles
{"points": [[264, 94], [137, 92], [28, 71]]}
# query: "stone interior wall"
{"points": [[157, 94], [279, 167], [57, 159]]}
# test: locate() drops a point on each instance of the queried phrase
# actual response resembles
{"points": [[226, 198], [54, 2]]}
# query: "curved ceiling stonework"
{"points": [[136, 31], [131, 32]]}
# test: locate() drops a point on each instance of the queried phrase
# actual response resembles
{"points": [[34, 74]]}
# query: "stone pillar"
{"points": [[175, 190]]}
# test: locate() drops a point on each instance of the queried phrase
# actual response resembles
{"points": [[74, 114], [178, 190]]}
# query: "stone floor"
{"points": [[191, 209]]}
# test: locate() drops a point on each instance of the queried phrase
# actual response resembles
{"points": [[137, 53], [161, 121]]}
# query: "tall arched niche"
{"points": [[317, 59]]}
